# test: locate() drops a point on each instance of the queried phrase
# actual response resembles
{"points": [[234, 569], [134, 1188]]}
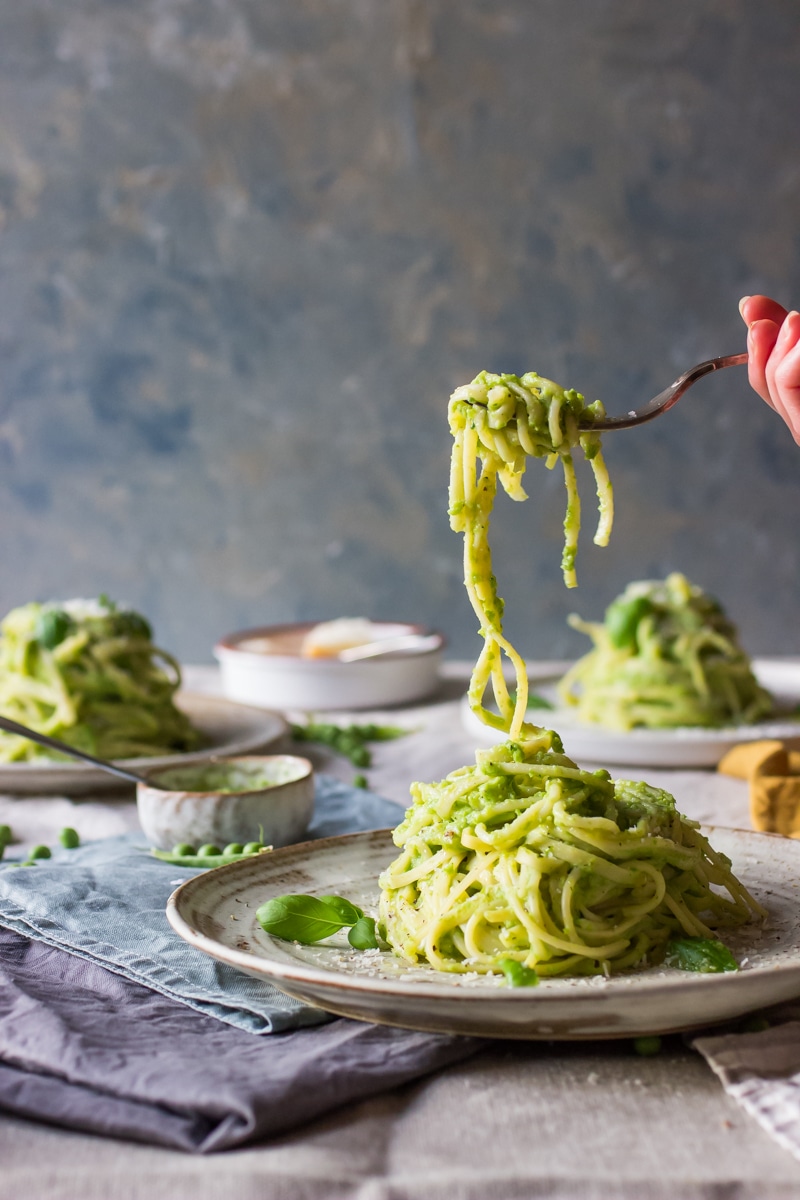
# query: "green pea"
{"points": [[6, 836], [40, 852], [647, 1047], [233, 848], [208, 850], [360, 781], [181, 849], [754, 1025], [622, 620], [69, 838], [52, 627], [360, 756], [253, 848]]}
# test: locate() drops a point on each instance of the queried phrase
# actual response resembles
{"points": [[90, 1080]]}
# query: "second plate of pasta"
{"points": [[683, 747]]}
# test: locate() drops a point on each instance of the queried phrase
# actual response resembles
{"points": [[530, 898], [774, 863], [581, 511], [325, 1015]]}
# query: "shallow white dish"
{"points": [[264, 667], [679, 748], [227, 729], [215, 912]]}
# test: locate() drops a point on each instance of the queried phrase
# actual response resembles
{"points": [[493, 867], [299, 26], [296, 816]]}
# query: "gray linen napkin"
{"points": [[761, 1071], [106, 903], [87, 1049]]}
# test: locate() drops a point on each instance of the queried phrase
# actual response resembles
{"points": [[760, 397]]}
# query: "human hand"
{"points": [[773, 346]]}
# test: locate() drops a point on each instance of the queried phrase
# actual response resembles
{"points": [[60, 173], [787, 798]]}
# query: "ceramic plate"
{"points": [[215, 912], [226, 728], [679, 748]]}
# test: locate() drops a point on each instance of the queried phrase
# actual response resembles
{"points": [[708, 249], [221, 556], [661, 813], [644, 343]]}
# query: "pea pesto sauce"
{"points": [[226, 777]]}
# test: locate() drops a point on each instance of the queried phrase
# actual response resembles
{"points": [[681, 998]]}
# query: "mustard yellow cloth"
{"points": [[773, 770]]}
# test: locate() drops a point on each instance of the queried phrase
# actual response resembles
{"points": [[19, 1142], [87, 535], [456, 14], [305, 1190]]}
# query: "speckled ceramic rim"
{"points": [[230, 643], [222, 759], [292, 977]]}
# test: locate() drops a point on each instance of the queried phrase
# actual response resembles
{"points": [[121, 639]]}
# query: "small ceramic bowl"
{"points": [[265, 667], [266, 798]]}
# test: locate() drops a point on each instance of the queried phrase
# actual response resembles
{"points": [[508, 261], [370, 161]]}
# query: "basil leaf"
{"points": [[537, 701], [348, 912], [299, 919], [699, 954], [362, 935], [516, 974]]}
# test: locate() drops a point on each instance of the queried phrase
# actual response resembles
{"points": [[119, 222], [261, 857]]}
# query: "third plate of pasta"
{"points": [[682, 747]]}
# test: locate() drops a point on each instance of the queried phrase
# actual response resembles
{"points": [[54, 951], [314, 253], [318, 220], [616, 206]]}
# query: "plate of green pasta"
{"points": [[87, 673], [679, 748], [458, 956]]}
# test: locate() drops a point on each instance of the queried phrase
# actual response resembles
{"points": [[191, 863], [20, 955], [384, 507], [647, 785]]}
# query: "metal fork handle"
{"points": [[671, 395], [52, 744]]}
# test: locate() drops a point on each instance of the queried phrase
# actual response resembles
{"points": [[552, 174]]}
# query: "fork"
{"points": [[664, 400]]}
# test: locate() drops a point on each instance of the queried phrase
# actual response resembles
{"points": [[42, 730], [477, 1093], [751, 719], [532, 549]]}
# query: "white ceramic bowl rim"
{"points": [[230, 644], [262, 760]]}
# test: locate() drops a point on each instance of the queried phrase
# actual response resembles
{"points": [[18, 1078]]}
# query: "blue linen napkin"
{"points": [[106, 902]]}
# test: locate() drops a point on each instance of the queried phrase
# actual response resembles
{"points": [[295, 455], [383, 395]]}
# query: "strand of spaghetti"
{"points": [[605, 499], [572, 523], [503, 419]]}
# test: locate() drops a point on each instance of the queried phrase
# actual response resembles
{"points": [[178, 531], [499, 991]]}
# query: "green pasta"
{"points": [[497, 422], [524, 864], [87, 673], [525, 856], [665, 656]]}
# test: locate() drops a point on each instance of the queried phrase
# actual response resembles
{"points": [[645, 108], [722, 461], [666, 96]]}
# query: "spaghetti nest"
{"points": [[524, 856], [88, 674], [666, 655], [497, 422]]}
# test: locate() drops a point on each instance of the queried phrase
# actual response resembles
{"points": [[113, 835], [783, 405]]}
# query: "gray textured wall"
{"points": [[248, 247]]}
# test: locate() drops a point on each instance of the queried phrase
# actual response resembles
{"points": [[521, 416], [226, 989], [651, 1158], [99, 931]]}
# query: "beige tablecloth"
{"points": [[574, 1122]]}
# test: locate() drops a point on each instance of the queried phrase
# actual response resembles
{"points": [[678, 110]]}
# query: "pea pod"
{"points": [[184, 855]]}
